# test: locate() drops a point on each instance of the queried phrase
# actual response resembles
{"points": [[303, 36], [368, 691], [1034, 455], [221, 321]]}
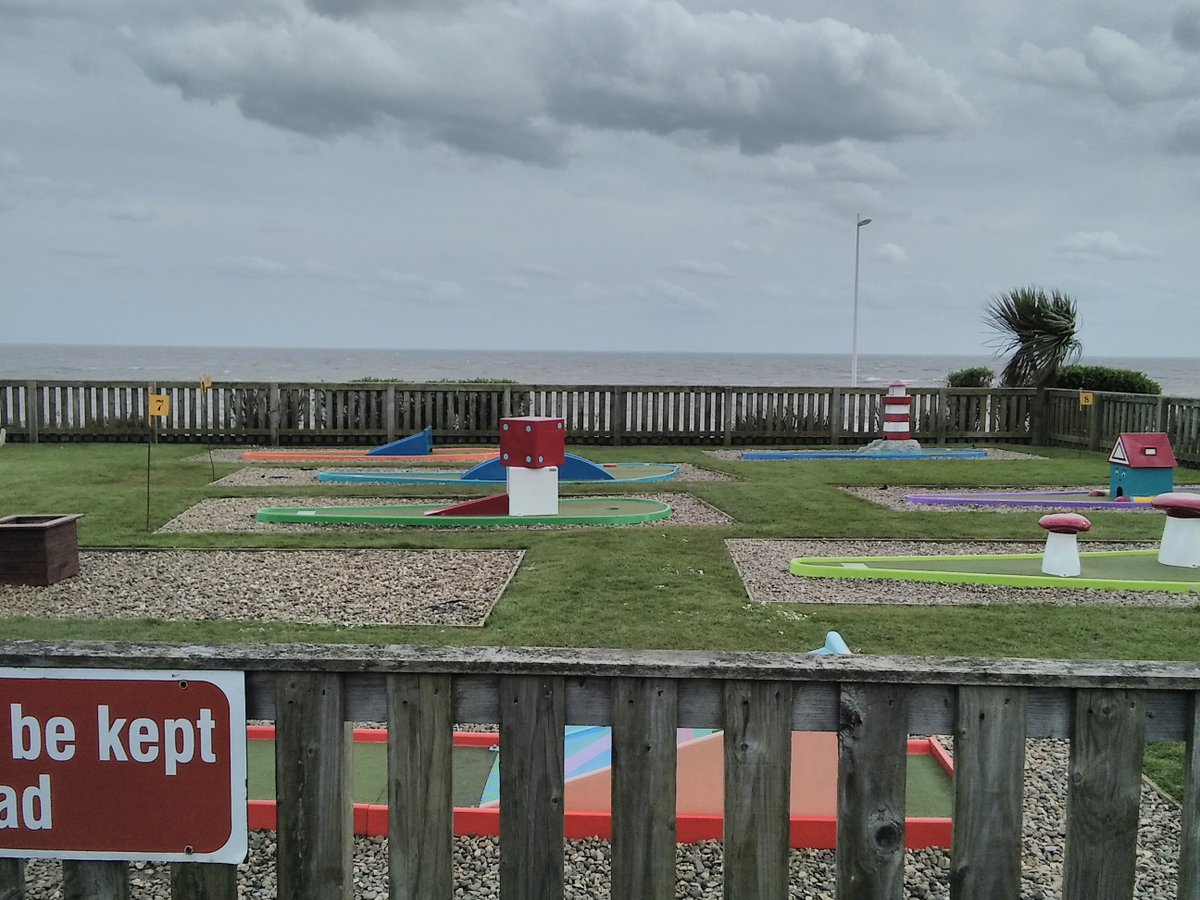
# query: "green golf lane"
{"points": [[930, 792], [573, 511], [1132, 570]]}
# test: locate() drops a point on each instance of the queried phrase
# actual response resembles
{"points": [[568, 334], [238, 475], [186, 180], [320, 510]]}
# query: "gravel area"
{"points": [[236, 514], [892, 496], [322, 587], [992, 453], [262, 476], [763, 565], [699, 866]]}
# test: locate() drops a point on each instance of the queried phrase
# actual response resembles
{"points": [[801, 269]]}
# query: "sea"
{"points": [[69, 362]]}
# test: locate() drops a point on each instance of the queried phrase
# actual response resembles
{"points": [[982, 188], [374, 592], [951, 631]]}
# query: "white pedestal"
{"points": [[533, 492], [1180, 543], [1061, 556]]}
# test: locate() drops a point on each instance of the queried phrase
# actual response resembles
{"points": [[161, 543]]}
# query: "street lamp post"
{"points": [[858, 226]]}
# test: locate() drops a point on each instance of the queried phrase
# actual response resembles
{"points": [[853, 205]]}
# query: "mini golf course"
{"points": [[476, 785], [1116, 570], [573, 511], [1078, 499]]}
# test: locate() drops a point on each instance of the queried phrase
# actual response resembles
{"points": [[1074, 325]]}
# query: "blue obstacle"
{"points": [[574, 468], [834, 645], [419, 444]]}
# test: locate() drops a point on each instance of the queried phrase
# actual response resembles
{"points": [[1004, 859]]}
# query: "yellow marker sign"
{"points": [[1086, 399], [160, 405], [205, 382]]}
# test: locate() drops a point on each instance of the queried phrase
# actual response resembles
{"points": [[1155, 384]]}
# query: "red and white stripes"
{"points": [[897, 413]]}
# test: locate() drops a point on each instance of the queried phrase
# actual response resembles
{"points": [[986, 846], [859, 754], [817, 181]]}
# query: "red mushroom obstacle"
{"points": [[1181, 535], [1061, 556]]}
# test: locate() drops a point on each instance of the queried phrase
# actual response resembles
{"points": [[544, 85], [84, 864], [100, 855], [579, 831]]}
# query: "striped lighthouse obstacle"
{"points": [[897, 413]]}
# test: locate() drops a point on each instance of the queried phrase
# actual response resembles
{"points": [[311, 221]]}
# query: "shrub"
{"points": [[978, 377], [1103, 378]]}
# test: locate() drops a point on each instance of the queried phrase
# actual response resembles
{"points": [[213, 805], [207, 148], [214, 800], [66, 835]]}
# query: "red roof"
{"points": [[1143, 450]]}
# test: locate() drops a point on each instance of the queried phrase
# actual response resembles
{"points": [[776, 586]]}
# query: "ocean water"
{"points": [[45, 362]]}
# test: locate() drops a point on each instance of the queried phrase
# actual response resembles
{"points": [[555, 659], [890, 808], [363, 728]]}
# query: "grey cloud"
{"points": [[252, 267], [751, 80], [706, 269], [1185, 26], [1059, 68], [1186, 136], [132, 211], [892, 253], [1099, 246], [1129, 72], [1110, 63], [513, 79]]}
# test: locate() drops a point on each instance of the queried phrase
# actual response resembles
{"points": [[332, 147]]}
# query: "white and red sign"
{"points": [[123, 765]]}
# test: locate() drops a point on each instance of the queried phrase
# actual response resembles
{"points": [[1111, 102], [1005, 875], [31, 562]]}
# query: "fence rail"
{"points": [[371, 413], [1106, 710]]}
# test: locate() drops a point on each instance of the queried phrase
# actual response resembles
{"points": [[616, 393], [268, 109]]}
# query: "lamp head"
{"points": [[862, 222]]}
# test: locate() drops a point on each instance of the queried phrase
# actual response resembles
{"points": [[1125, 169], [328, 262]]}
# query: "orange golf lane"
{"points": [[447, 454]]}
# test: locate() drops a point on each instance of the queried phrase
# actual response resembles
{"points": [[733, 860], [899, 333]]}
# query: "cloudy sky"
{"points": [[595, 174]]}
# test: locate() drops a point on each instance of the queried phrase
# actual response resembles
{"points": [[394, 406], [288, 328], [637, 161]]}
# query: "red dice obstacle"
{"points": [[533, 442]]}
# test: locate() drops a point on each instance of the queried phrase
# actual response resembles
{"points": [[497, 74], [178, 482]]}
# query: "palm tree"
{"points": [[1039, 330]]}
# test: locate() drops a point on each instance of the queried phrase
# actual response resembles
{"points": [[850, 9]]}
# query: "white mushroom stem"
{"points": [[1180, 542], [1061, 556]]}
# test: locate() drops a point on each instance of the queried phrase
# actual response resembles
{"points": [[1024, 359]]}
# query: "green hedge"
{"points": [[1103, 378], [978, 377]]}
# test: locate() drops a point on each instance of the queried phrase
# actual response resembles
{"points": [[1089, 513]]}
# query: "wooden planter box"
{"points": [[38, 549]]}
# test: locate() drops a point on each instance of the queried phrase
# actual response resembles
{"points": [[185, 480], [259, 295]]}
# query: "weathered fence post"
{"points": [[1160, 414], [1095, 420], [728, 411], [108, 880], [989, 761], [389, 412], [1104, 794], [941, 416], [872, 772], [273, 413], [312, 778], [1041, 418], [203, 881], [618, 414], [33, 409], [835, 415], [1189, 832], [644, 756], [12, 879], [532, 719], [420, 814], [758, 769]]}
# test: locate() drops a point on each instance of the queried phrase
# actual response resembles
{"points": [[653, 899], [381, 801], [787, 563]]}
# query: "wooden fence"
{"points": [[372, 413], [1106, 710]]}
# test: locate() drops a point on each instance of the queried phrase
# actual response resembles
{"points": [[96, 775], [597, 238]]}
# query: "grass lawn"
{"points": [[645, 587]]}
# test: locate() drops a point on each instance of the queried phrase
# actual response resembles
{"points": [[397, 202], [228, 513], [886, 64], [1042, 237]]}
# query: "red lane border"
{"points": [[813, 832]]}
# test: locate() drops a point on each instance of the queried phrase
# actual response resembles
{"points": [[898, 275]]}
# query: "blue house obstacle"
{"points": [[1142, 465]]}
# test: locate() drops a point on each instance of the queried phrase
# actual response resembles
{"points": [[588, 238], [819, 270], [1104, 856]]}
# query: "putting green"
{"points": [[1128, 570], [574, 511], [469, 771]]}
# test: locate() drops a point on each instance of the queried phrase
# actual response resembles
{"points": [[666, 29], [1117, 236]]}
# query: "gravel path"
{"points": [[273, 476], [236, 514], [321, 587], [699, 866], [763, 565]]}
